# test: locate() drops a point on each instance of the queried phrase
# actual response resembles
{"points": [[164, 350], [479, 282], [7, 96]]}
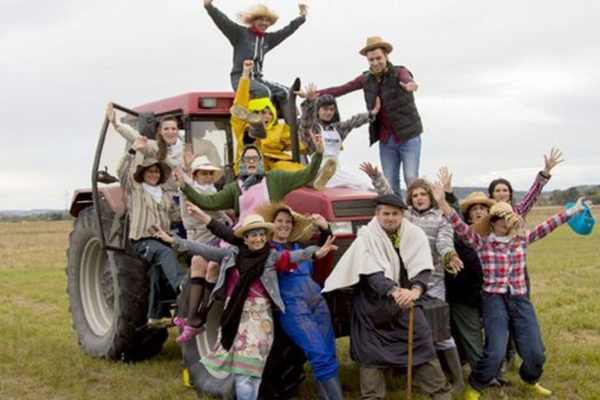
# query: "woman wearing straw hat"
{"points": [[253, 42], [248, 284], [150, 205], [203, 274], [501, 245], [307, 320]]}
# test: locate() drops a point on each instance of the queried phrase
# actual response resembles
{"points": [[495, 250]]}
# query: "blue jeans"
{"points": [[500, 312], [246, 387], [394, 155], [163, 260]]}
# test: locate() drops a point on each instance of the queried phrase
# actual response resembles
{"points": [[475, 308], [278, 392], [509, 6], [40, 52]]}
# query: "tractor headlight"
{"points": [[341, 228]]}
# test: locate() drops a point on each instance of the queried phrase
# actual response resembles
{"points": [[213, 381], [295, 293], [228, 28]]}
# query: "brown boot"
{"points": [[325, 173]]}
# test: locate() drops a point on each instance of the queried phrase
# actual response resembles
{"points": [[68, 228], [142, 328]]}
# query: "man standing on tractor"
{"points": [[397, 126], [252, 42]]}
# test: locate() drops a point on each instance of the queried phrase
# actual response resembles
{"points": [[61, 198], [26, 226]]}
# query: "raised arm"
{"points": [[274, 38], [308, 117], [210, 253], [126, 168], [345, 127], [445, 178], [222, 200], [380, 183], [341, 90], [230, 29], [556, 220], [224, 232]]}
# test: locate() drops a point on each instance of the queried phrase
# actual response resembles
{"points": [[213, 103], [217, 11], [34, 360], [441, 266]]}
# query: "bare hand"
{"points": [[369, 169], [189, 156], [247, 67], [317, 141], [410, 86], [445, 177], [110, 113], [327, 247], [551, 160], [310, 92], [404, 298], [162, 235], [208, 2], [303, 9], [377, 107], [580, 205], [178, 175], [319, 221], [455, 264], [197, 213], [139, 143]]}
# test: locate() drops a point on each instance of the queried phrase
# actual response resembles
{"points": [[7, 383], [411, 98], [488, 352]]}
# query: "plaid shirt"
{"points": [[504, 264], [524, 206]]}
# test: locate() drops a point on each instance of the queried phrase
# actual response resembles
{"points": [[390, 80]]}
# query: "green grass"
{"points": [[40, 357]]}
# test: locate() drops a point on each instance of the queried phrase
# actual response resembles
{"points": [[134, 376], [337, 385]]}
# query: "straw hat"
{"points": [[253, 221], [500, 209], [202, 163], [165, 170], [258, 10], [375, 42], [303, 227], [476, 198]]}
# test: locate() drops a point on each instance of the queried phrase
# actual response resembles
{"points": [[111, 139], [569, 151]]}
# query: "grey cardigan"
{"points": [[227, 259]]}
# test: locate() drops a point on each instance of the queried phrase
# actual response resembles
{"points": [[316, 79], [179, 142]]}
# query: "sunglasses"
{"points": [[251, 159]]}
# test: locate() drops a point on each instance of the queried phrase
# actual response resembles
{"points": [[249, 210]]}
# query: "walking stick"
{"points": [[411, 327]]}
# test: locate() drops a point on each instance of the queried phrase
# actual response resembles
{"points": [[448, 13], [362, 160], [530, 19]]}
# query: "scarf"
{"points": [[249, 180], [373, 251], [205, 189], [154, 191], [251, 265], [175, 149], [257, 32]]}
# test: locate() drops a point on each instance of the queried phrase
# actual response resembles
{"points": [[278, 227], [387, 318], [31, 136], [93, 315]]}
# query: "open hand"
{"points": [[369, 169], [178, 175], [139, 143], [317, 141], [410, 86], [445, 177], [319, 221], [551, 160]]}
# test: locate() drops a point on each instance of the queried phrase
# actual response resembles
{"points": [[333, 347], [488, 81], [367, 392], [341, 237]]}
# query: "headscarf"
{"points": [[248, 179]]}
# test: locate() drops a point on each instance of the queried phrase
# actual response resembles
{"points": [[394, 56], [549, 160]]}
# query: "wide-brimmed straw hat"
{"points": [[259, 10], [303, 227], [165, 170], [502, 210], [203, 164], [376, 42], [251, 222], [476, 198]]}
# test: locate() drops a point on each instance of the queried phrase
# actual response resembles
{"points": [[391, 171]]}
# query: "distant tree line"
{"points": [[55, 215]]}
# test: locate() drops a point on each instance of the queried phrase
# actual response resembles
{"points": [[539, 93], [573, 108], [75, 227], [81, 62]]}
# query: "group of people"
{"points": [[247, 244]]}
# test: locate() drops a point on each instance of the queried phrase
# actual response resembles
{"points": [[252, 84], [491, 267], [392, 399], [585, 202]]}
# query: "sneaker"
{"points": [[471, 393], [156, 323], [243, 114], [538, 390], [325, 174]]}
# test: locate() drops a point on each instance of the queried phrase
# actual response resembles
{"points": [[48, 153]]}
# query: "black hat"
{"points": [[390, 200]]}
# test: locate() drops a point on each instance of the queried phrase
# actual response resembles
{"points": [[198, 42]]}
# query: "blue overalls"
{"points": [[306, 319]]}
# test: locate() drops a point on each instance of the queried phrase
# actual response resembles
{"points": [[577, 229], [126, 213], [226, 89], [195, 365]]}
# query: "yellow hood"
{"points": [[258, 105]]}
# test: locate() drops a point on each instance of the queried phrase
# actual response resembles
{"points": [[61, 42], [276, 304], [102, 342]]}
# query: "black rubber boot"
{"points": [[206, 302], [197, 289]]}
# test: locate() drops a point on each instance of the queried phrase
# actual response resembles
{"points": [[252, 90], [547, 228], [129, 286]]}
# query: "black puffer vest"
{"points": [[399, 105]]}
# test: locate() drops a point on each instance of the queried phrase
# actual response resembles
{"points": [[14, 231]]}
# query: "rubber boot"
{"points": [[330, 389], [471, 393], [325, 173], [206, 302], [197, 289], [256, 128], [538, 390], [452, 361]]}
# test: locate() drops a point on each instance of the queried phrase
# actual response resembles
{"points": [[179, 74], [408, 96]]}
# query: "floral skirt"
{"points": [[252, 343]]}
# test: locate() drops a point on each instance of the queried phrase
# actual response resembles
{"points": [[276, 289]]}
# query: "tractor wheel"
{"points": [[108, 294]]}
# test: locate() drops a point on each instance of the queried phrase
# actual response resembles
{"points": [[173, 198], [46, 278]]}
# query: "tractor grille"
{"points": [[353, 208]]}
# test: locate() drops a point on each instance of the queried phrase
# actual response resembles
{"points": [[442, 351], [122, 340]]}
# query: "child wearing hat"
{"points": [[501, 245], [253, 42], [248, 284], [150, 206]]}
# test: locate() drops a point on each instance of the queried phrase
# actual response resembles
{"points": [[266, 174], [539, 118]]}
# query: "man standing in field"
{"points": [[389, 265], [397, 126]]}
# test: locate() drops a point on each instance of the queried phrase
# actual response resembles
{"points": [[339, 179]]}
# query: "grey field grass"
{"points": [[40, 357]]}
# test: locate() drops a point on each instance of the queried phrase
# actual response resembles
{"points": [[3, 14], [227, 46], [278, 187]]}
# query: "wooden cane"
{"points": [[411, 327]]}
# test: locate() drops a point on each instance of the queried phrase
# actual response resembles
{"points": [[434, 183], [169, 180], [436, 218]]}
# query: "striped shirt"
{"points": [[143, 210], [504, 264]]}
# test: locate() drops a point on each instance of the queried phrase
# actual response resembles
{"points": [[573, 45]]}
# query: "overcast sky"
{"points": [[500, 81]]}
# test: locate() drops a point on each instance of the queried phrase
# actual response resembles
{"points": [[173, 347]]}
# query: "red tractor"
{"points": [[108, 286]]}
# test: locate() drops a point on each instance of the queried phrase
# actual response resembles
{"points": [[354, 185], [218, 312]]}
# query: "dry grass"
{"points": [[40, 357]]}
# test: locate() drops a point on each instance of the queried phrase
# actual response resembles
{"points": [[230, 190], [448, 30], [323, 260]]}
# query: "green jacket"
{"points": [[279, 183]]}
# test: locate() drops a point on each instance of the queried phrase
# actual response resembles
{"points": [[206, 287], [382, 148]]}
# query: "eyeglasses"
{"points": [[251, 159]]}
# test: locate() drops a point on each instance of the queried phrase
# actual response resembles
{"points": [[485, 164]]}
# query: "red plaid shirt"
{"points": [[504, 264]]}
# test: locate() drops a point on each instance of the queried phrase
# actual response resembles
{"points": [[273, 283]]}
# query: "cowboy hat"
{"points": [[165, 170], [203, 164], [499, 210], [375, 42], [251, 222], [259, 10], [303, 228], [476, 198]]}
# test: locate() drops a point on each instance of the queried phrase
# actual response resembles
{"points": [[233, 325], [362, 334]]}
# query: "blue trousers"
{"points": [[500, 312], [393, 155], [261, 88], [308, 323], [163, 262]]}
